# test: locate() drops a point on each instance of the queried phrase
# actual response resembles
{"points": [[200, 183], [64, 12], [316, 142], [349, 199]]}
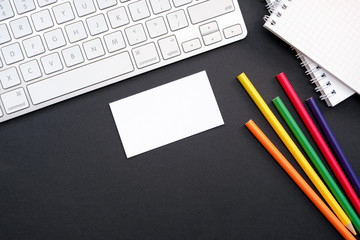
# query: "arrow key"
{"points": [[212, 38], [191, 45], [232, 31]]}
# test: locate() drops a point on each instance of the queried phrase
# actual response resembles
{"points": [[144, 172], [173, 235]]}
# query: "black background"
{"points": [[64, 174]]}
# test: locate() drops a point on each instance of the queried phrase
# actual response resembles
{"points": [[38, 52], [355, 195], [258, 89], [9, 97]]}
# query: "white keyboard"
{"points": [[52, 50]]}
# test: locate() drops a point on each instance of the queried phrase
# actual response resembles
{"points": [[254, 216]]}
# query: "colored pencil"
{"points": [[296, 177], [294, 150], [344, 162], [324, 173], [290, 92]]}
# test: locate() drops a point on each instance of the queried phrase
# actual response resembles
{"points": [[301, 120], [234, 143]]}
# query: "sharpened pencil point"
{"points": [[351, 228]]}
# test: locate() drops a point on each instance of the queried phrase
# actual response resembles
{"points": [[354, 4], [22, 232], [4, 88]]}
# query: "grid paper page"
{"points": [[327, 31]]}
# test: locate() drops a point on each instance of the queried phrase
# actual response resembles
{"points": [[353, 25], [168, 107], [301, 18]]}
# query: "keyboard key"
{"points": [[191, 45], [208, 28], [93, 48], [51, 63], [1, 113], [55, 39], [42, 20], [63, 13], [76, 32], [9, 78], [209, 9], [30, 70], [103, 4], [84, 7], [12, 53], [97, 24], [177, 20], [156, 27], [4, 34], [118, 17], [159, 6], [6, 10], [1, 64], [135, 34], [43, 3], [114, 41], [72, 56], [212, 38], [145, 55], [178, 3], [24, 6], [21, 27], [232, 31], [85, 76], [14, 101], [169, 47], [139, 10], [33, 46]]}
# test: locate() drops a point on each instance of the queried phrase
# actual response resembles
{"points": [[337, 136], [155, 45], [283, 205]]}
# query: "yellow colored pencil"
{"points": [[294, 150]]}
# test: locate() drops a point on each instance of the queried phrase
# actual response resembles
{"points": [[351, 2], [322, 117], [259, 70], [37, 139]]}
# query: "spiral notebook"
{"points": [[331, 89], [313, 27]]}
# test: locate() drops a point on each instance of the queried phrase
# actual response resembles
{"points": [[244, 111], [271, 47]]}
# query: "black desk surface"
{"points": [[64, 174]]}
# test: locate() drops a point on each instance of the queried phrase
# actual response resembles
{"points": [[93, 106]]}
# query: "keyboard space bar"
{"points": [[79, 78]]}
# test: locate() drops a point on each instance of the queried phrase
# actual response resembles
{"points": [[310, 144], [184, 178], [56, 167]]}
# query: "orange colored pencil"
{"points": [[255, 130]]}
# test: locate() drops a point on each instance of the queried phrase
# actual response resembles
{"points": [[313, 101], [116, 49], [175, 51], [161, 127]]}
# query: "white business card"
{"points": [[165, 114]]}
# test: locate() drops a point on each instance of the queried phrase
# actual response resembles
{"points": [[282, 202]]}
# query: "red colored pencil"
{"points": [[319, 141]]}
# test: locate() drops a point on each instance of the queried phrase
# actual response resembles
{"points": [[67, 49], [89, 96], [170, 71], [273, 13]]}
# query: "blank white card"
{"points": [[165, 114]]}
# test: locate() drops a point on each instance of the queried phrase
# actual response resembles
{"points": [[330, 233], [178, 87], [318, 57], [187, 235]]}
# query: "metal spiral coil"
{"points": [[268, 18], [310, 71], [322, 87], [326, 96], [299, 55], [276, 12], [272, 5], [316, 79], [306, 62]]}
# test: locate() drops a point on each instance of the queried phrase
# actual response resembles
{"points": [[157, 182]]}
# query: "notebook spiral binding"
{"points": [[326, 96], [312, 70], [272, 5], [275, 9], [322, 87], [318, 79]]}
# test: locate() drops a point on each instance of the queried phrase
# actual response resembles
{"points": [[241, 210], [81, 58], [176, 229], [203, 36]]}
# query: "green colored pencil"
{"points": [[280, 106]]}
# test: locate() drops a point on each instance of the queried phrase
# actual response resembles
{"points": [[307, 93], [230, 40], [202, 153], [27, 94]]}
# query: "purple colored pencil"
{"points": [[349, 171]]}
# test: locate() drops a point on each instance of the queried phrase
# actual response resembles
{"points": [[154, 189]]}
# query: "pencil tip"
{"points": [[351, 228]]}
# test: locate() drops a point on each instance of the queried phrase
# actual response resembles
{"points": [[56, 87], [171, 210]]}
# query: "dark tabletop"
{"points": [[64, 174]]}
